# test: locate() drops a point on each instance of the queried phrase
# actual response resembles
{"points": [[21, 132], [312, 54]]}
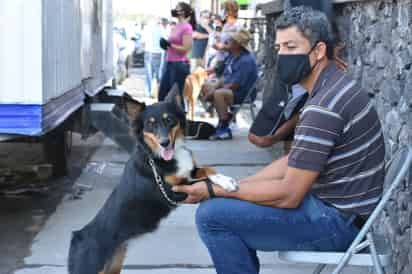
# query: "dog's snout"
{"points": [[165, 142]]}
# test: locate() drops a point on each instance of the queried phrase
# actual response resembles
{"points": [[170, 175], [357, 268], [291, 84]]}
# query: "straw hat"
{"points": [[242, 37]]}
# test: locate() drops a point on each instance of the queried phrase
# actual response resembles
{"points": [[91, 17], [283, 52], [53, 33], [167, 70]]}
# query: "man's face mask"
{"points": [[293, 68]]}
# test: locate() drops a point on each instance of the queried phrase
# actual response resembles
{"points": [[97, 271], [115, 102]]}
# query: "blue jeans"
{"points": [[152, 65], [175, 72], [234, 230]]}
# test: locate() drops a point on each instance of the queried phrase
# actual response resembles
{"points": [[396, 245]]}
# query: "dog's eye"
{"points": [[151, 124], [168, 120]]}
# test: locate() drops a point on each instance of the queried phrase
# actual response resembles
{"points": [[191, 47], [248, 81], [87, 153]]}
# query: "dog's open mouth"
{"points": [[167, 153]]}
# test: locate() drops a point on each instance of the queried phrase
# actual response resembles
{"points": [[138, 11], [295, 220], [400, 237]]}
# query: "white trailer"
{"points": [[54, 56], [52, 53]]}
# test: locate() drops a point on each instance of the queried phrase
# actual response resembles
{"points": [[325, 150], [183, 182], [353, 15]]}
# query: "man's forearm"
{"points": [[276, 170], [266, 192]]}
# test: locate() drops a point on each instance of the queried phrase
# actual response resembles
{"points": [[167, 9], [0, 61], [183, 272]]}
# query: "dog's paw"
{"points": [[227, 183]]}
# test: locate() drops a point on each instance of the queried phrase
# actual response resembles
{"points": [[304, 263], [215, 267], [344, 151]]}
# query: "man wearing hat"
{"points": [[239, 75]]}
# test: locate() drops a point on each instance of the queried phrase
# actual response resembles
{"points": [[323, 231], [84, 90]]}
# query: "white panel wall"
{"points": [[49, 47], [62, 47], [108, 37], [20, 52], [87, 29]]}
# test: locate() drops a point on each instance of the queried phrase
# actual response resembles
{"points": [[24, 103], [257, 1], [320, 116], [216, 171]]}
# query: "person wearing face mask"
{"points": [[200, 40], [319, 195], [272, 123], [177, 47], [229, 14], [213, 38]]}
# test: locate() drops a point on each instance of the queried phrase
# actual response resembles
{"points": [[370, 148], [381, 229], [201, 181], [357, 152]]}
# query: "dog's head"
{"points": [[161, 126], [201, 75]]}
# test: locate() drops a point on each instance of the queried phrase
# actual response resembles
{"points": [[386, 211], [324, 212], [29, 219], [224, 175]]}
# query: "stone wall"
{"points": [[378, 35], [379, 51]]}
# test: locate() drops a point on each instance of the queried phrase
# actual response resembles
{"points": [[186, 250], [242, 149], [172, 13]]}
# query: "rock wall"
{"points": [[378, 37]]}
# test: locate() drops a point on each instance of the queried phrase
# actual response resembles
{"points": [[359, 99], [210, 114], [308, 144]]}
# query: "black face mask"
{"points": [[293, 68], [176, 13]]}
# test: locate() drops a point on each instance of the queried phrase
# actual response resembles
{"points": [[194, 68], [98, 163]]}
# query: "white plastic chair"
{"points": [[367, 249]]}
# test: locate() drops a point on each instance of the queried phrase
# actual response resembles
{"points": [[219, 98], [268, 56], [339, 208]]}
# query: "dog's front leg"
{"points": [[203, 172], [175, 180], [115, 264]]}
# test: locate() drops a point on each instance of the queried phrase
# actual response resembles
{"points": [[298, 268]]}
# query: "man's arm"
{"points": [[284, 193], [274, 171], [280, 193], [241, 73], [232, 86], [280, 133]]}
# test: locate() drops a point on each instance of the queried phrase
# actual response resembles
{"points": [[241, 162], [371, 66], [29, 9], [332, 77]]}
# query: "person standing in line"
{"points": [[200, 40], [165, 29], [213, 38], [152, 55], [178, 46]]}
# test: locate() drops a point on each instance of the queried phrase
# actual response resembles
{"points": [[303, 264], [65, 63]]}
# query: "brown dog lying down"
{"points": [[193, 85]]}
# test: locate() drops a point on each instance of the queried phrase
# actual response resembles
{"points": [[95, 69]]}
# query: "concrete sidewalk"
{"points": [[175, 247]]}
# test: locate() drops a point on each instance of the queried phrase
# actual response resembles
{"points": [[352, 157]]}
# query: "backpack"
{"points": [[198, 130], [279, 108]]}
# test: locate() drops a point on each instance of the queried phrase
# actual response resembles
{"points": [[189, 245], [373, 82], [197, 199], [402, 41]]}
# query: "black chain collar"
{"points": [[157, 177]]}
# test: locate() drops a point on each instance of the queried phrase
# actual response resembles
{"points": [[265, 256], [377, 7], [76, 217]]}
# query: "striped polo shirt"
{"points": [[340, 136]]}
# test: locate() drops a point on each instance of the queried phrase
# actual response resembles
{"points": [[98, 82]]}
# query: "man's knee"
{"points": [[209, 213], [204, 214], [223, 94]]}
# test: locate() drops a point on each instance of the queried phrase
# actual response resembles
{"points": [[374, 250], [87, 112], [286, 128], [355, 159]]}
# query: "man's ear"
{"points": [[174, 96], [321, 51]]}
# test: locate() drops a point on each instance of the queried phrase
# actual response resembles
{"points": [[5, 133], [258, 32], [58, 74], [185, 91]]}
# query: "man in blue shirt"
{"points": [[239, 75]]}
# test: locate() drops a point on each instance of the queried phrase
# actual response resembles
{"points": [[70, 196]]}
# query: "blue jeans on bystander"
{"points": [[152, 65], [174, 73]]}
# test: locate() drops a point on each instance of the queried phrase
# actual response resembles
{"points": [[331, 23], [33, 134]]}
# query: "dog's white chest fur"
{"points": [[184, 160]]}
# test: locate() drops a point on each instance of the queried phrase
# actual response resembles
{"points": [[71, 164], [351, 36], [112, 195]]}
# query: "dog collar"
{"points": [[160, 183]]}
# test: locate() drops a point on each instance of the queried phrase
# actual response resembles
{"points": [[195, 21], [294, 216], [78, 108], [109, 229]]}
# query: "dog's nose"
{"points": [[165, 143]]}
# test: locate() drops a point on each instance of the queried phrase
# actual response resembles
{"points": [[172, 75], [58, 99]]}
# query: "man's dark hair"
{"points": [[314, 25]]}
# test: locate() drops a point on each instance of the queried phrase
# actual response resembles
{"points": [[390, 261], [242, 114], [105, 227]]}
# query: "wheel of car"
{"points": [[55, 148]]}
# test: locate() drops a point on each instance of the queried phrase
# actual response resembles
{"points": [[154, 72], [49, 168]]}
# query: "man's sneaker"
{"points": [[222, 134]]}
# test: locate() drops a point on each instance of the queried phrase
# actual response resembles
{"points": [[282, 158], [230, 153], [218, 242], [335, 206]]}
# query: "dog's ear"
{"points": [[133, 107], [137, 126], [174, 97]]}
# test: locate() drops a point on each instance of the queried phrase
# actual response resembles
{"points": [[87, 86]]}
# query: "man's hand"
{"points": [[196, 192], [261, 141]]}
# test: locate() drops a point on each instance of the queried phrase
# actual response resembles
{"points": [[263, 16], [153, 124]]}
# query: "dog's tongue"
{"points": [[167, 154]]}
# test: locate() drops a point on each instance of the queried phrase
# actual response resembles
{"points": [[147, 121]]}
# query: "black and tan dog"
{"points": [[138, 203]]}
